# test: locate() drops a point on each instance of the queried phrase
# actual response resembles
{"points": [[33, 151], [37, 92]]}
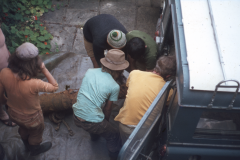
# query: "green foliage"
{"points": [[19, 21], [57, 47]]}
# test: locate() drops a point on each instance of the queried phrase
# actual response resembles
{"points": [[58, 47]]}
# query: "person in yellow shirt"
{"points": [[143, 87]]}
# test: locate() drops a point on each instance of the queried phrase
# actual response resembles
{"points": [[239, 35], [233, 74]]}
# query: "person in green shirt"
{"points": [[141, 50]]}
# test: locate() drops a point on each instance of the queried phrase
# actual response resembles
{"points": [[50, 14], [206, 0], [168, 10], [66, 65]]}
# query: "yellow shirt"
{"points": [[143, 87]]}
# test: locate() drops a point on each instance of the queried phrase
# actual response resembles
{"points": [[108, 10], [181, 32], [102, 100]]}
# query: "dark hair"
{"points": [[166, 67], [26, 69], [135, 48], [114, 74]]}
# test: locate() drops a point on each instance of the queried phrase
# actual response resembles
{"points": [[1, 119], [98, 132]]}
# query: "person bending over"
{"points": [[100, 33], [21, 87], [141, 50], [99, 86], [143, 87]]}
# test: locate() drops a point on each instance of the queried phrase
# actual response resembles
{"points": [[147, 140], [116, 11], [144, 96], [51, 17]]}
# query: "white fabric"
{"points": [[27, 50]]}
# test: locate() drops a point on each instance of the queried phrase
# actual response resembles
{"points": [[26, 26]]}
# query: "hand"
{"points": [[43, 66], [123, 91], [130, 59], [132, 64], [40, 64]]}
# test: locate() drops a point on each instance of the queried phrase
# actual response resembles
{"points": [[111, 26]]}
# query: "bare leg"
{"points": [[4, 115], [89, 49]]}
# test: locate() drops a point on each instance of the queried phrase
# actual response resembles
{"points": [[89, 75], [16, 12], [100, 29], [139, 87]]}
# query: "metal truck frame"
{"points": [[177, 131]]}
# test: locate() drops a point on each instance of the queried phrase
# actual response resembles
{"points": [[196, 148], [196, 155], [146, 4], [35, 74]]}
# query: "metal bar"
{"points": [[148, 157], [137, 149], [214, 132], [214, 107], [230, 106], [198, 106], [204, 145], [216, 40], [140, 146], [227, 87]]}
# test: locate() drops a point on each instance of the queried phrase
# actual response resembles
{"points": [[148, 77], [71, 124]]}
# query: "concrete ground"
{"points": [[66, 23], [66, 26], [68, 67]]}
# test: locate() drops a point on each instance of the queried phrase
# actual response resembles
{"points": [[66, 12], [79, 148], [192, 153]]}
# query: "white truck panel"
{"points": [[226, 15], [207, 46]]}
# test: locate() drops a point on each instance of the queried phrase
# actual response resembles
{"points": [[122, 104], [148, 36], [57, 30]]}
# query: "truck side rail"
{"points": [[140, 136]]}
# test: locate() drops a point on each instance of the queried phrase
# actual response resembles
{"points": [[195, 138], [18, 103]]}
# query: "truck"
{"points": [[202, 121]]}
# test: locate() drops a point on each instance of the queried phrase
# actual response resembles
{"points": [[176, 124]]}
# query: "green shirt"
{"points": [[151, 51]]}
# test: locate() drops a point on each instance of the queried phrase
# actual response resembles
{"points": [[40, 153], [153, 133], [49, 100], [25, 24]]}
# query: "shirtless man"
{"points": [[4, 54]]}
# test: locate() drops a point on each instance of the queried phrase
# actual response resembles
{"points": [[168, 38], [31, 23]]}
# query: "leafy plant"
{"points": [[57, 47], [20, 23]]}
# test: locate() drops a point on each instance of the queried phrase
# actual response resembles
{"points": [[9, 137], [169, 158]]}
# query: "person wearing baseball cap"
{"points": [[100, 33], [21, 86], [99, 86]]}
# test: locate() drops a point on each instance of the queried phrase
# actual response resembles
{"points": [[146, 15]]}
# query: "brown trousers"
{"points": [[30, 126], [105, 130]]}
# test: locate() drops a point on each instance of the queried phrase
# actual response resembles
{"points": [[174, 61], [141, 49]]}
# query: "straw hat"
{"points": [[26, 51], [116, 39], [115, 60]]}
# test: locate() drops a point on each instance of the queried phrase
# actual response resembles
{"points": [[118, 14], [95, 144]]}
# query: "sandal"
{"points": [[9, 122]]}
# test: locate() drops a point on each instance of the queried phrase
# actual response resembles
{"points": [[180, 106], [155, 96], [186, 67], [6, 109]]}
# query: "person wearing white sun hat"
{"points": [[100, 33], [19, 82]]}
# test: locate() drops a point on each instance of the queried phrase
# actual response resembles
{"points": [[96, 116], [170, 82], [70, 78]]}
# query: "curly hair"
{"points": [[166, 67], [114, 74], [25, 69]]}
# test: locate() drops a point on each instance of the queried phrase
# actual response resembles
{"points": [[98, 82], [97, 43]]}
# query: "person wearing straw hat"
{"points": [[22, 88], [99, 86], [100, 33], [143, 87]]}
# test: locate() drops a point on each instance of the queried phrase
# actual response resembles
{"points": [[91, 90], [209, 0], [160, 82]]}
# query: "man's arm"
{"points": [[132, 64], [95, 64], [107, 110], [41, 86], [151, 63], [123, 91]]}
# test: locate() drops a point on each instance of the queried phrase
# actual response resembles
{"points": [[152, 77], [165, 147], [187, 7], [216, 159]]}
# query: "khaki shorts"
{"points": [[88, 47]]}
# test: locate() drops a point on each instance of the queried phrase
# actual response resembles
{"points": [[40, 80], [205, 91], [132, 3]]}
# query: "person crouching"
{"points": [[143, 88], [100, 86], [22, 95]]}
